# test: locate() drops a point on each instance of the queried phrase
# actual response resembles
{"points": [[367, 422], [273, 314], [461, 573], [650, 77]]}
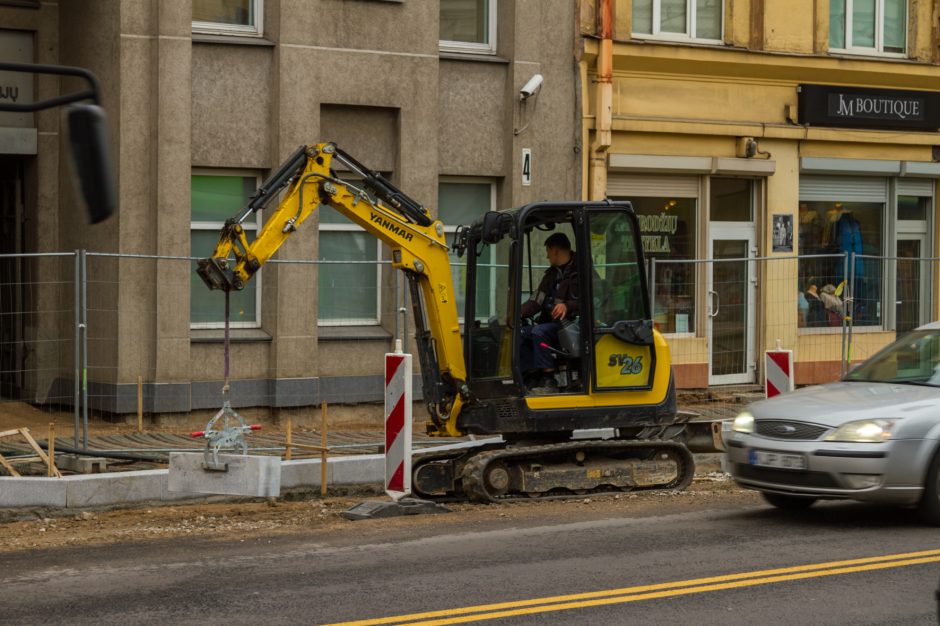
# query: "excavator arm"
{"points": [[417, 242]]}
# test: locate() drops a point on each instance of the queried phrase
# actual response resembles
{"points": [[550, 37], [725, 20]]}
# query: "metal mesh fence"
{"points": [[119, 323], [38, 330]]}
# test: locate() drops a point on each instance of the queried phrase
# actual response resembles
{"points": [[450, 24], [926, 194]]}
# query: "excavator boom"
{"points": [[307, 180]]}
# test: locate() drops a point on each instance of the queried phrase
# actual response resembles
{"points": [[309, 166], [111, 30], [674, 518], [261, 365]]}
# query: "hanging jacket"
{"points": [[849, 235]]}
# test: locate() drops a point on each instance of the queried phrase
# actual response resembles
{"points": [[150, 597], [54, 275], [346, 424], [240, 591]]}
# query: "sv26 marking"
{"points": [[628, 365]]}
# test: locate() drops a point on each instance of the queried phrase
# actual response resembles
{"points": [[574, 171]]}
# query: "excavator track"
{"points": [[503, 473]]}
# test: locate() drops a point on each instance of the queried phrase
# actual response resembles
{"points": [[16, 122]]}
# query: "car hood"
{"points": [[837, 403]]}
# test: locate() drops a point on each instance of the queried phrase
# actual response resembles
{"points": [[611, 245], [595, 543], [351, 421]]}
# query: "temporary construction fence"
{"points": [[720, 315], [118, 324]]}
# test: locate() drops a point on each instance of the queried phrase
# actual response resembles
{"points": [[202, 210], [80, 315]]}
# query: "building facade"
{"points": [[800, 134], [205, 98]]}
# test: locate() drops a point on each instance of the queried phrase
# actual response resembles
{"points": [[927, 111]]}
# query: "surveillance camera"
{"points": [[529, 89]]}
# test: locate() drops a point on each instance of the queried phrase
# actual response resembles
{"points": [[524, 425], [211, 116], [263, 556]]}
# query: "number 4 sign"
{"points": [[526, 167]]}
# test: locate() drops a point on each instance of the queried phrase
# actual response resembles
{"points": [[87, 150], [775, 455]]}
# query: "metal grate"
{"points": [[791, 431]]}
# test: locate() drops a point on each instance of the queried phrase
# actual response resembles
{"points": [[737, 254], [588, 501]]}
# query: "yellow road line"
{"points": [[648, 592]]}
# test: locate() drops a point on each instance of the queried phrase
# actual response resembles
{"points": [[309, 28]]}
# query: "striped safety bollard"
{"points": [[398, 423], [778, 369]]}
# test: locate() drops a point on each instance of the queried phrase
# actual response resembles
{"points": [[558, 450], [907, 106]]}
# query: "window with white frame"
{"points": [[468, 26], [868, 26], [215, 197], [349, 273], [681, 20], [228, 17], [461, 203]]}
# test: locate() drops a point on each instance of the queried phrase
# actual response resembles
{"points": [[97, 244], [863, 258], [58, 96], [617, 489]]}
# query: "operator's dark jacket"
{"points": [[567, 288]]}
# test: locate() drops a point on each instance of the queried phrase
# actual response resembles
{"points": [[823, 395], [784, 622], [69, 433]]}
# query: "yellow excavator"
{"points": [[610, 421]]}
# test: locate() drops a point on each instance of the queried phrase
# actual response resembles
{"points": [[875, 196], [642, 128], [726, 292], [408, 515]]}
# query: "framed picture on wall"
{"points": [[783, 233]]}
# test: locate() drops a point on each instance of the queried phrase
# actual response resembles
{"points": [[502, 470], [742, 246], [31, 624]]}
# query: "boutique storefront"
{"points": [[773, 207]]}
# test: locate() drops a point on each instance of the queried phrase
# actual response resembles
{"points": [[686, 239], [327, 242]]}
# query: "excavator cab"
{"points": [[611, 368]]}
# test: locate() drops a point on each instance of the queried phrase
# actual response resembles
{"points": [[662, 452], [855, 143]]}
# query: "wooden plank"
{"points": [[8, 467], [40, 452], [10, 433]]}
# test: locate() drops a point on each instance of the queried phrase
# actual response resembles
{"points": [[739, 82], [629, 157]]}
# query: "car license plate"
{"points": [[776, 459]]}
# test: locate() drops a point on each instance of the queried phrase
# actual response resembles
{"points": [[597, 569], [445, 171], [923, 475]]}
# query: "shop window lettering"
{"points": [[667, 231], [656, 231]]}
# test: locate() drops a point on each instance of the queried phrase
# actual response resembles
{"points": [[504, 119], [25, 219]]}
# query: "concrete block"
{"points": [[247, 475], [82, 464], [115, 488], [304, 473], [365, 469], [32, 491]]}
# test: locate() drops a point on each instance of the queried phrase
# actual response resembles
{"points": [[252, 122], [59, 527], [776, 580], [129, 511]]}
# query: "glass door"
{"points": [[909, 306], [730, 304]]}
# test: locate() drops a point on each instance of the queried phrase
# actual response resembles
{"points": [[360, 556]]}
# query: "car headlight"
{"points": [[743, 423], [864, 431]]}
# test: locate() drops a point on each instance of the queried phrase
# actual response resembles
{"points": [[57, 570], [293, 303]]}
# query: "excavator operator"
{"points": [[555, 301]]}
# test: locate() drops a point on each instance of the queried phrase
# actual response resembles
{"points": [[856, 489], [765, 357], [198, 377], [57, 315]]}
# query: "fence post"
{"points": [[848, 359], [77, 347], [846, 312], [84, 327]]}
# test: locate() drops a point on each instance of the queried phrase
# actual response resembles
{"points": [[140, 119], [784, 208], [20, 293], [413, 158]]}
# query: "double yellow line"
{"points": [[649, 592]]}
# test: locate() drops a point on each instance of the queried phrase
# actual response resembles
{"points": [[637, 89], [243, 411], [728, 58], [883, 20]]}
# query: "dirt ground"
{"points": [[48, 529], [363, 417], [22, 530]]}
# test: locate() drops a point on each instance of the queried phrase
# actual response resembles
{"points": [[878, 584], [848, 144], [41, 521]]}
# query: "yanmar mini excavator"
{"points": [[612, 367]]}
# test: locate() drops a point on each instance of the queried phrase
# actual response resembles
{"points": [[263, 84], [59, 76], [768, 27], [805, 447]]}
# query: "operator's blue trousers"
{"points": [[532, 354]]}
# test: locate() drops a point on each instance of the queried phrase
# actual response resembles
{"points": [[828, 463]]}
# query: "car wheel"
{"points": [[788, 502], [929, 507]]}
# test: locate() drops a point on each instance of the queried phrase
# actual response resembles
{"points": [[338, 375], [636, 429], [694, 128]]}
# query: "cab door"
{"points": [[621, 328]]}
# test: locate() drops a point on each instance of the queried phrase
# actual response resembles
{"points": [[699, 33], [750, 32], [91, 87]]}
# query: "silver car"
{"points": [[873, 436]]}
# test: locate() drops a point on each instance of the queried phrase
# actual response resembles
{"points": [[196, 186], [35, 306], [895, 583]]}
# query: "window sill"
{"points": [[480, 57], [234, 40], [867, 54], [353, 333], [236, 335]]}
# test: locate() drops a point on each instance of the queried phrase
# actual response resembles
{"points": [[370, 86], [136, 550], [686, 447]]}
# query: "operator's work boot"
{"points": [[545, 387]]}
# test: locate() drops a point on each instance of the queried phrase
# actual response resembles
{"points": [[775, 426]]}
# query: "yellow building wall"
{"points": [[680, 100]]}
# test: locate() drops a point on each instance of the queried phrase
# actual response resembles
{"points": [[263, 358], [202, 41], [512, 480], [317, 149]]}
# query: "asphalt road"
{"points": [[837, 563]]}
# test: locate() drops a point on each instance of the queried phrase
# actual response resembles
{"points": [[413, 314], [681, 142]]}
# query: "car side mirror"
{"points": [[91, 158]]}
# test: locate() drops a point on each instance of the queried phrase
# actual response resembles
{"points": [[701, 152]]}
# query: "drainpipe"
{"points": [[603, 103]]}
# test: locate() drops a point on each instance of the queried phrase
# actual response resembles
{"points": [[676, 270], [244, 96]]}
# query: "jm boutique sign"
{"points": [[855, 107]]}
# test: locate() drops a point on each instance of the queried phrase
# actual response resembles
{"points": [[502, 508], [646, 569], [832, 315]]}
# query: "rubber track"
{"points": [[474, 486]]}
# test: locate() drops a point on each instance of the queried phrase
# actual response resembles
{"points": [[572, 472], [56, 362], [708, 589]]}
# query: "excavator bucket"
{"points": [[216, 275]]}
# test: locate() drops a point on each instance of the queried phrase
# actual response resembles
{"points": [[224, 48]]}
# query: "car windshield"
{"points": [[914, 359]]}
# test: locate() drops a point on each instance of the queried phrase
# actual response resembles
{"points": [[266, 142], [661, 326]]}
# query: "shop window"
{"points": [[468, 26], [349, 273], [462, 203], [667, 229], [827, 232], [678, 19], [868, 26], [228, 17], [214, 199]]}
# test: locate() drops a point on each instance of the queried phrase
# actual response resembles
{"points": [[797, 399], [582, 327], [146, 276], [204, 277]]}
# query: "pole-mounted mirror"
{"points": [[88, 136]]}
